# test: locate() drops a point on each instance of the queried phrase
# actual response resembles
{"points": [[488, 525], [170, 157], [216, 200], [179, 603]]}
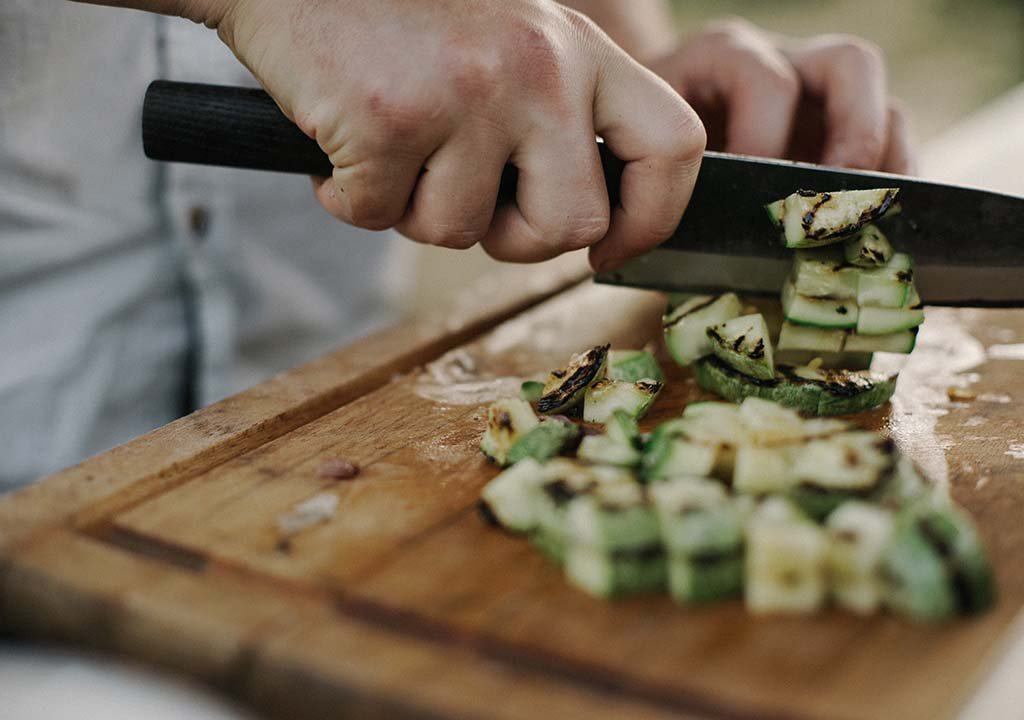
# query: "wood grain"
{"points": [[91, 491], [404, 603]]}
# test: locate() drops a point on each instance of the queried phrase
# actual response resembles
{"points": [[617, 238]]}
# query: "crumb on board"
{"points": [[960, 394], [338, 469], [307, 513]]}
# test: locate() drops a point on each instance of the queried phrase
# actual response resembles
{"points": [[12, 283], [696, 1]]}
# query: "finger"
{"points": [[454, 201], [661, 141], [849, 74], [372, 193], [561, 198], [901, 150]]}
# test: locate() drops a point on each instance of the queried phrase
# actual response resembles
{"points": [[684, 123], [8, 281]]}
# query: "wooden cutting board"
{"points": [[404, 603]]}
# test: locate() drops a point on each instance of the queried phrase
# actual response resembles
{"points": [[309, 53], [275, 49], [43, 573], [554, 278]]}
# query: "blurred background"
{"points": [[947, 58]]}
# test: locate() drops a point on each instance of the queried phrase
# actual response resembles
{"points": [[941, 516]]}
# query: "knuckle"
{"points": [[396, 119], [453, 237], [858, 52], [368, 207], [475, 74], [684, 138], [583, 231]]}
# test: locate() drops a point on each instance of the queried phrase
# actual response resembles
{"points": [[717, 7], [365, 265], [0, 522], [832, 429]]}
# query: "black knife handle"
{"points": [[243, 128]]}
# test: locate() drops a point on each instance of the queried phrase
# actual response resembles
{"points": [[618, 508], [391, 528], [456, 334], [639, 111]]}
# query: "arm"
{"points": [[420, 105]]}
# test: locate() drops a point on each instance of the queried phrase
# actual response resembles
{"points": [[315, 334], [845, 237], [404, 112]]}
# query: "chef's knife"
{"points": [[968, 244]]}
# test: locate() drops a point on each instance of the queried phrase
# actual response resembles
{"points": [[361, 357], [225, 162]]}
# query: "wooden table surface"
{"points": [[404, 604]]}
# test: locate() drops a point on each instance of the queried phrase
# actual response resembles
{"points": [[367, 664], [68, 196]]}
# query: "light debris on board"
{"points": [[338, 469], [307, 513]]}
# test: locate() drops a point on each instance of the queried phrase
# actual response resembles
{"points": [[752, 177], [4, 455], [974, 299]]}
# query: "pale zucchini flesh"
{"points": [[565, 387], [824, 273], [887, 286], [897, 342], [803, 337], [744, 344], [686, 326], [604, 397], [508, 420], [817, 312], [812, 219], [633, 365], [887, 321], [869, 248]]}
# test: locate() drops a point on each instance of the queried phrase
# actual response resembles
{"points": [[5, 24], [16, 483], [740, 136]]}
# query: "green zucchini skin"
{"points": [[843, 394], [634, 365], [531, 391], [565, 388], [615, 574], [544, 441], [702, 580]]}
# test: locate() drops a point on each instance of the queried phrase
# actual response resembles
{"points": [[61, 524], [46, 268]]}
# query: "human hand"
{"points": [[420, 106], [821, 100]]}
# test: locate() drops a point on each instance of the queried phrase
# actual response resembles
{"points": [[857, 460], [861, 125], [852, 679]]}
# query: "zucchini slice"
{"points": [[769, 423], [869, 248], [934, 565], [508, 420], [897, 342], [888, 286], [763, 470], [776, 211], [813, 391], [887, 321], [686, 326], [508, 497], [668, 454], [841, 392], [827, 360], [744, 344], [811, 219], [705, 578], [619, 445], [543, 441], [613, 517], [531, 391], [823, 273], [817, 312], [616, 573], [856, 461], [604, 397], [858, 533], [802, 337], [565, 388], [633, 365], [696, 517], [563, 480], [785, 565]]}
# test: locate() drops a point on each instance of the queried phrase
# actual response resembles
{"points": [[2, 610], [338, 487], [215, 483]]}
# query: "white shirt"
{"points": [[123, 282]]}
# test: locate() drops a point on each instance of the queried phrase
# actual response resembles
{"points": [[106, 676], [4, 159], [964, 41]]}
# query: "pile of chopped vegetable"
{"points": [[789, 511]]}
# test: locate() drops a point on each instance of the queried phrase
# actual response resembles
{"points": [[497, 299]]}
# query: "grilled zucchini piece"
{"points": [[811, 219], [620, 444], [550, 544], [686, 326], [763, 470], [897, 342], [810, 390], [916, 579], [508, 498], [704, 579], [824, 273], [785, 562], [744, 344], [768, 423], [616, 573], [565, 388], [868, 249], [696, 517], [886, 321], [604, 397], [856, 461], [612, 517], [776, 211], [633, 365], [508, 420], [858, 533], [887, 286], [817, 312], [531, 391], [543, 441], [668, 454], [803, 337]]}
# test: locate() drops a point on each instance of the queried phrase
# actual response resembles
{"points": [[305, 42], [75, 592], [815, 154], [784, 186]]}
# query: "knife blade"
{"points": [[968, 244]]}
